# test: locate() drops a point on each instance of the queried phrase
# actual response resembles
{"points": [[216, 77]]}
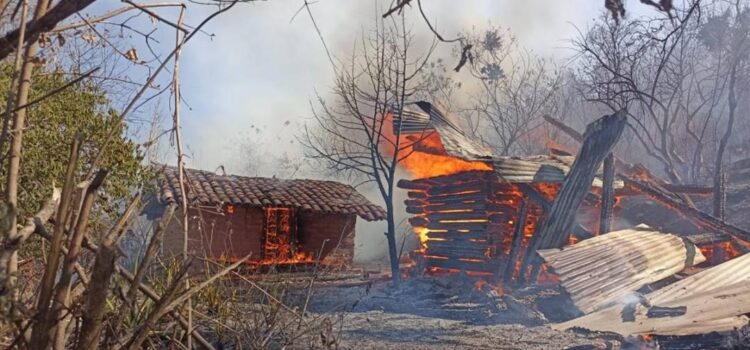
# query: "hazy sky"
{"points": [[260, 70]]}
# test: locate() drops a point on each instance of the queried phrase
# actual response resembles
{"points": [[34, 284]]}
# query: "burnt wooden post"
{"points": [[510, 265], [720, 196], [608, 195], [599, 139]]}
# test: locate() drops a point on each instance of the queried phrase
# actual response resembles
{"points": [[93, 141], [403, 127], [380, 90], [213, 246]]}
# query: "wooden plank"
{"points": [[466, 245], [510, 264], [599, 139], [412, 185], [459, 199], [608, 195], [454, 235], [695, 216], [457, 226], [455, 253], [415, 210], [482, 266], [708, 238], [417, 194], [481, 205], [472, 215], [479, 186], [414, 203], [461, 177], [418, 221]]}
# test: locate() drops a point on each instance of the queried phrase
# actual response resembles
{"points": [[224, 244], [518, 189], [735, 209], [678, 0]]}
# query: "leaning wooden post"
{"points": [[599, 139], [608, 195], [720, 197], [510, 265]]}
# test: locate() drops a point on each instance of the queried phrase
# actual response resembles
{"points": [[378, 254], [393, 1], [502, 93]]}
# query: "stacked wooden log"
{"points": [[456, 212], [474, 222]]}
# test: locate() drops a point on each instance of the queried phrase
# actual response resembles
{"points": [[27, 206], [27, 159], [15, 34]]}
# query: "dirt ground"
{"points": [[450, 312]]}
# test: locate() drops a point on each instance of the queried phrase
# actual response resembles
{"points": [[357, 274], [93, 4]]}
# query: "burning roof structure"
{"points": [[474, 212], [481, 214]]}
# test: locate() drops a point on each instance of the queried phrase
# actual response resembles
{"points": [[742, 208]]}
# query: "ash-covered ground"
{"points": [[451, 312]]}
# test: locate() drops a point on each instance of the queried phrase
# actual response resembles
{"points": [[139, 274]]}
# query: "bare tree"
{"points": [[515, 89], [354, 135], [673, 81]]}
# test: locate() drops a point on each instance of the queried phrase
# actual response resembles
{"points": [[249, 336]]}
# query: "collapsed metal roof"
{"points": [[422, 118], [540, 168], [605, 269], [713, 300]]}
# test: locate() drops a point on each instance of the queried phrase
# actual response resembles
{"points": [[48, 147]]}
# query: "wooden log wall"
{"points": [[454, 209], [472, 218]]}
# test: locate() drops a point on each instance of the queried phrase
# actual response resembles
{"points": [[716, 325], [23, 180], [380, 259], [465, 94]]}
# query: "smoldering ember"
{"points": [[408, 174]]}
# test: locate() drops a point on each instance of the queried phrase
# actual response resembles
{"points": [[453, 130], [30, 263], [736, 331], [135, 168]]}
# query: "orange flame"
{"points": [[424, 155]]}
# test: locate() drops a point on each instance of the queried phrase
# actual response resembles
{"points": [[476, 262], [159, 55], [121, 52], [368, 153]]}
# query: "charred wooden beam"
{"points": [[510, 265], [458, 252], [599, 139], [688, 189], [476, 226], [418, 221], [414, 203], [720, 196], [630, 169], [481, 266], [416, 194], [412, 185], [415, 210], [472, 215], [454, 235], [455, 206], [608, 195], [701, 239], [457, 188], [692, 214], [462, 198], [578, 231]]}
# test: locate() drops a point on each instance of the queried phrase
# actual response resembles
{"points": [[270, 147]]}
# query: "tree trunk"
{"points": [[608, 195], [718, 169], [390, 235], [19, 123]]}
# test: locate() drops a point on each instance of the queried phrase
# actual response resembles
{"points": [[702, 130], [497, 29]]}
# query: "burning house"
{"points": [[278, 221], [478, 213]]}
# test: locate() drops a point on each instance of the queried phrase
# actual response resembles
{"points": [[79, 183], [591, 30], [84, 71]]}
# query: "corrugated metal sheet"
{"points": [[541, 168], [423, 117], [600, 271], [715, 299]]}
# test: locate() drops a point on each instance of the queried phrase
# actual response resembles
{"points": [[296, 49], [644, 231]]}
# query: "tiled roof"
{"points": [[204, 187]]}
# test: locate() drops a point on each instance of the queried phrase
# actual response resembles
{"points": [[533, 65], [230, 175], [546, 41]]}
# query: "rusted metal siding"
{"points": [[605, 269]]}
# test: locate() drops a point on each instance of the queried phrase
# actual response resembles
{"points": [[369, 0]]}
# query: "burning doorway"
{"points": [[279, 241]]}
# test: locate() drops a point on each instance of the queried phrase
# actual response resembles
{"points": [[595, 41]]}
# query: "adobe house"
{"points": [[278, 221]]}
